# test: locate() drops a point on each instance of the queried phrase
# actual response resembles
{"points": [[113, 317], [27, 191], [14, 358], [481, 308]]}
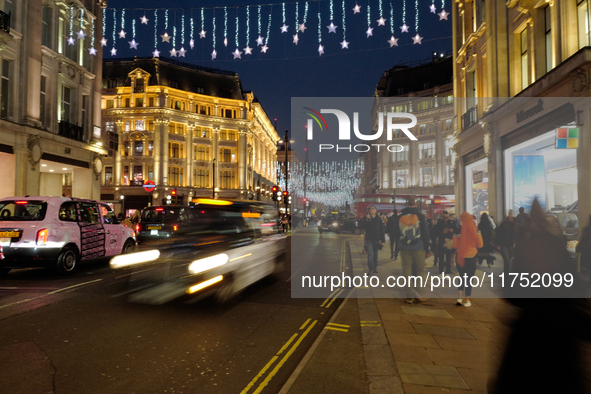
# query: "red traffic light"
{"points": [[274, 189], [285, 193], [173, 193], [305, 199]]}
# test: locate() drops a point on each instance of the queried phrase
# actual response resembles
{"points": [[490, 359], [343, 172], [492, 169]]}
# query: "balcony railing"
{"points": [[470, 118], [71, 131], [5, 22]]}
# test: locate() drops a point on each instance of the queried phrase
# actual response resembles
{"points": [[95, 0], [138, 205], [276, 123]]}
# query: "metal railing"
{"points": [[470, 118], [5, 22], [71, 131]]}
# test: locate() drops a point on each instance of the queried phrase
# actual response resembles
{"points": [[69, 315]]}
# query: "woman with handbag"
{"points": [[488, 249]]}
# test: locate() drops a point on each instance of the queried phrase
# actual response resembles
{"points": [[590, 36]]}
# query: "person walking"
{"points": [[505, 241], [393, 231], [434, 232], [487, 250], [374, 238], [466, 245], [445, 236], [413, 244]]}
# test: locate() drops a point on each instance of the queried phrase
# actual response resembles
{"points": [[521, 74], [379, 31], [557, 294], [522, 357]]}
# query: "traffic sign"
{"points": [[149, 186]]}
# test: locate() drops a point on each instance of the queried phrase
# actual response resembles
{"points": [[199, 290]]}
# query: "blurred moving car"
{"points": [[337, 222], [568, 221], [216, 247], [58, 232]]}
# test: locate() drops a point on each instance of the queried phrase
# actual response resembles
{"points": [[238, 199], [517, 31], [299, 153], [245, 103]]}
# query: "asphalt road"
{"points": [[79, 333]]}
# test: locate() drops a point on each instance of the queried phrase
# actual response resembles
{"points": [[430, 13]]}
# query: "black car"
{"points": [[161, 221], [337, 222]]}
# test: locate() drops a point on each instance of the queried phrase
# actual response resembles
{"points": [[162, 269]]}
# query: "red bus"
{"points": [[431, 208]]}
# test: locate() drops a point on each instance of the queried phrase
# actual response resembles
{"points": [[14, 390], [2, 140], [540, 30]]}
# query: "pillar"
{"points": [[120, 150], [242, 157], [164, 151], [215, 154], [189, 154], [157, 153]]}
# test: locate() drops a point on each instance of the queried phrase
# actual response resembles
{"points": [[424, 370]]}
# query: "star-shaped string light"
{"points": [[81, 34], [264, 48], [144, 20], [214, 54], [356, 9], [192, 43], [122, 34], [132, 44], [332, 28], [320, 50], [432, 8], [172, 52], [104, 41], [302, 27], [393, 41], [260, 41], [404, 28], [443, 15], [165, 37], [417, 39], [71, 41], [181, 52], [345, 44], [284, 28], [381, 21], [113, 52], [156, 53], [202, 33], [248, 50], [296, 38], [237, 54], [92, 51], [369, 32]]}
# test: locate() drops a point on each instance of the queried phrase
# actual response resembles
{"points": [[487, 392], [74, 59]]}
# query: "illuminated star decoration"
{"points": [[132, 44], [113, 51], [345, 44], [264, 48], [295, 39], [71, 41], [284, 28], [369, 32], [332, 28], [417, 39], [122, 34], [259, 41], [165, 37], [173, 52], [404, 28], [156, 53], [303, 27], [144, 20], [320, 50], [443, 15], [432, 8], [202, 33], [182, 52], [81, 34], [393, 41], [357, 9], [381, 21], [225, 41], [214, 54], [237, 54], [192, 43], [92, 51], [104, 41], [248, 50]]}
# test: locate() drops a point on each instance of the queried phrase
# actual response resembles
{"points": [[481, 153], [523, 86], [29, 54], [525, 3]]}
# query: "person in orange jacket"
{"points": [[466, 246]]}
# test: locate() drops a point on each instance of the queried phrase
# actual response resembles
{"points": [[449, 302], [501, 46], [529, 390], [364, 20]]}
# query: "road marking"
{"points": [[370, 325], [78, 285], [19, 302], [287, 344], [27, 288], [369, 321], [335, 297], [134, 272], [327, 298], [265, 382], [305, 324], [336, 329], [338, 325]]}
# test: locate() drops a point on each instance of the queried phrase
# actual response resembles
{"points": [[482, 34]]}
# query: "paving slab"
{"points": [[431, 375], [426, 312], [452, 332]]}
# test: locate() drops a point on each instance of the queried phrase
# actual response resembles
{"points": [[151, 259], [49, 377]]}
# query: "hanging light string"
{"points": [[166, 21], [133, 26], [391, 18], [442, 4], [331, 11], [297, 22], [380, 8], [344, 27], [104, 23], [82, 19], [123, 19], [416, 15], [319, 27], [114, 24], [269, 26], [192, 26], [237, 26], [92, 33], [183, 28], [283, 11], [225, 24], [368, 15], [72, 21], [247, 24], [155, 28], [305, 13], [213, 30], [174, 32], [259, 18], [404, 12]]}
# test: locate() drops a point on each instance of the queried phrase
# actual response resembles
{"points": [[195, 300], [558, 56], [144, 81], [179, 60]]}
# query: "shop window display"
{"points": [[477, 188]]}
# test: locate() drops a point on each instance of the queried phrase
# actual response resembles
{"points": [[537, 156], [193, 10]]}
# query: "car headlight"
{"points": [[126, 260], [335, 224], [208, 263]]}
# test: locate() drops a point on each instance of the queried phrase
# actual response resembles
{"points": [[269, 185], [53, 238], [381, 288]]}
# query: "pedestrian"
{"points": [[414, 246], [284, 222], [487, 250], [445, 234], [437, 228], [456, 220], [584, 248], [505, 241], [393, 231], [466, 245], [135, 218], [374, 238]]}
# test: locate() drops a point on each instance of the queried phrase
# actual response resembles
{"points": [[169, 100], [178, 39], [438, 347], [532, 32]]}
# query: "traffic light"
{"points": [[274, 189], [173, 195]]}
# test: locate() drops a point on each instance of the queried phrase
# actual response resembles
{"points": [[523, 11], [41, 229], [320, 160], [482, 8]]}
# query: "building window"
{"points": [[201, 178], [150, 101], [8, 6], [228, 179], [171, 128], [42, 98], [138, 176], [583, 19], [177, 105], [45, 27], [524, 68], [126, 175], [202, 152], [422, 129], [427, 150], [200, 90], [449, 175], [448, 147], [431, 128], [110, 104], [108, 175], [232, 135], [223, 135], [66, 101], [401, 156], [175, 176], [139, 125], [138, 148], [448, 124], [139, 86], [205, 132], [400, 178], [548, 18], [150, 173], [68, 50], [139, 102], [5, 90], [126, 148], [180, 128], [127, 102], [176, 150], [85, 114], [427, 176], [228, 113], [150, 148], [127, 125], [227, 155]]}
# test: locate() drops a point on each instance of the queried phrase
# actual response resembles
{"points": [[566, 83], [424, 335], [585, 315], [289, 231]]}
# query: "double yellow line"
{"points": [[330, 299], [271, 374], [337, 327]]}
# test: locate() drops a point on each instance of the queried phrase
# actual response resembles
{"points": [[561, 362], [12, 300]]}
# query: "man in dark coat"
{"points": [[393, 232], [445, 231], [374, 238]]}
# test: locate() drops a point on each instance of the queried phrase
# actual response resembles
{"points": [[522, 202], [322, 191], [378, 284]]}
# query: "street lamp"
{"points": [[286, 143]]}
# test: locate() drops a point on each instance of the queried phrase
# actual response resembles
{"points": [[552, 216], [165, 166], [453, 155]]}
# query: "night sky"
{"points": [[289, 70]]}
